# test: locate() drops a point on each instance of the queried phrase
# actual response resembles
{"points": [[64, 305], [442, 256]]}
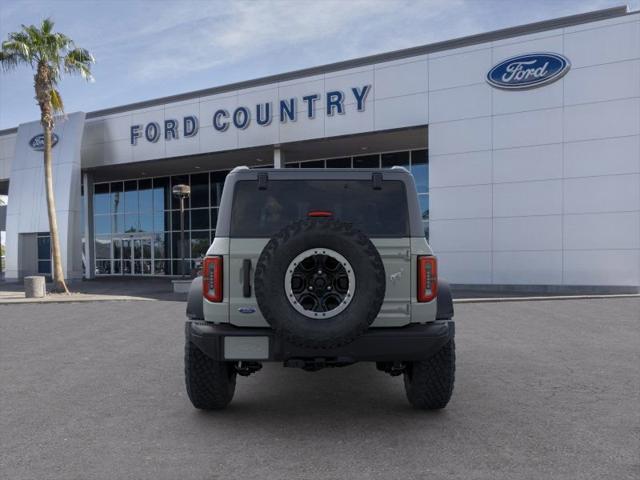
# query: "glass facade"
{"points": [[137, 222]]}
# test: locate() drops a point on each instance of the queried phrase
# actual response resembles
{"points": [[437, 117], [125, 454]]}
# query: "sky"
{"points": [[150, 49]]}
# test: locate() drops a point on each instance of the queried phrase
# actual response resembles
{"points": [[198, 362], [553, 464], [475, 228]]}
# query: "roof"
{"points": [[510, 32]]}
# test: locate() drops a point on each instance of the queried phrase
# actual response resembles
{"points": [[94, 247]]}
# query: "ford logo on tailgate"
{"points": [[528, 71], [37, 142]]}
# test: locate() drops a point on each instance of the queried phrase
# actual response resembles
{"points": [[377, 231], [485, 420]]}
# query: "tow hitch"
{"points": [[245, 369]]}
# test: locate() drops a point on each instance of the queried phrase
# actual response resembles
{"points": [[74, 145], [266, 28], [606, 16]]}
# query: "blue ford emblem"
{"points": [[528, 71], [37, 142], [247, 310]]}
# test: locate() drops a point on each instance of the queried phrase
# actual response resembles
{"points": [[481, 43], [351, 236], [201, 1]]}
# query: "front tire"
{"points": [[210, 384], [429, 383]]}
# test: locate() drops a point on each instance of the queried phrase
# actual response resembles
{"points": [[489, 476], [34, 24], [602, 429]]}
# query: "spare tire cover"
{"points": [[319, 283]]}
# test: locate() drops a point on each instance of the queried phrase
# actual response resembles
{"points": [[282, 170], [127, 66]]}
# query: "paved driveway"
{"points": [[546, 389]]}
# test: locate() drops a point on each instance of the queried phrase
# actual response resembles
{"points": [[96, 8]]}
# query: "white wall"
{"points": [[27, 206], [539, 186], [7, 151]]}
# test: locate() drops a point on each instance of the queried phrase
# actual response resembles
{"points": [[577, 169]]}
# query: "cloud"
{"points": [[176, 43]]}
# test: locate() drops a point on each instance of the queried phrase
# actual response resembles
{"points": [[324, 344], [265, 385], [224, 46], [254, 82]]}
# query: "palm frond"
{"points": [[63, 42], [47, 26], [56, 101], [79, 61], [9, 61], [19, 47], [34, 34]]}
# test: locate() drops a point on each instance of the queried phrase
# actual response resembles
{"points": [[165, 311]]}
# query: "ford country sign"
{"points": [[284, 110], [37, 142], [528, 71]]}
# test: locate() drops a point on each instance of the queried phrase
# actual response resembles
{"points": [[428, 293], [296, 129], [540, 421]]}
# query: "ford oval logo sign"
{"points": [[37, 142], [528, 71]]}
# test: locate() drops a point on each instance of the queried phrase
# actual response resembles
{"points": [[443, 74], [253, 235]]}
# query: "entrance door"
{"points": [[133, 256], [142, 261]]}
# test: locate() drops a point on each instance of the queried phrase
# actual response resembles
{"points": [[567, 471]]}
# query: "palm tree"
{"points": [[50, 55]]}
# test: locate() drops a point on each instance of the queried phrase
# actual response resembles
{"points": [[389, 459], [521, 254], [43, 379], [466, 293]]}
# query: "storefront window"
{"points": [[131, 223], [131, 203], [339, 163], [200, 190], [101, 199], [175, 220], [103, 247], [117, 198], [160, 242], [419, 169], [145, 195], [146, 222], [117, 223], [44, 253], [367, 161], [314, 164], [399, 159], [160, 221], [200, 219], [161, 194]]}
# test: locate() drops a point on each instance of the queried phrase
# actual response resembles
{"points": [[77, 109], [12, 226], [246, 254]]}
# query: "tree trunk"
{"points": [[59, 284]]}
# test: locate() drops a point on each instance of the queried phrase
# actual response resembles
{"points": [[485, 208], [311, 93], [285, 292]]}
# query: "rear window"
{"points": [[262, 213]]}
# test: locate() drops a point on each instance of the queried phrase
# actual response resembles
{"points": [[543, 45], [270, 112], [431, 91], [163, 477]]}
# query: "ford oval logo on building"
{"points": [[37, 142], [528, 71]]}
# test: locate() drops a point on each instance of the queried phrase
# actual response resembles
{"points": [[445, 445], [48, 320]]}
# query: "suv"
{"points": [[319, 268]]}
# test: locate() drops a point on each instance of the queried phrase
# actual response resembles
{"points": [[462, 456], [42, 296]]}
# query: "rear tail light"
{"points": [[319, 213], [212, 279], [427, 278]]}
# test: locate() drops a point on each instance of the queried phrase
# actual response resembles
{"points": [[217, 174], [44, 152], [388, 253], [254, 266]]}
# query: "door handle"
{"points": [[246, 278]]}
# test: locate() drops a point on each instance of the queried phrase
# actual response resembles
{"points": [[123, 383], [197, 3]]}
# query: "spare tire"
{"points": [[319, 283]]}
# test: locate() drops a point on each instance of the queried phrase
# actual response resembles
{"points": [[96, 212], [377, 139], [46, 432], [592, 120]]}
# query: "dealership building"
{"points": [[524, 144]]}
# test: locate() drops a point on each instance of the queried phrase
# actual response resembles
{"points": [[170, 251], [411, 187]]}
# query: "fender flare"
{"points": [[445, 301], [195, 310]]}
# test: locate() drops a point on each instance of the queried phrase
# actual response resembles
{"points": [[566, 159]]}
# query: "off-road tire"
{"points": [[210, 384], [320, 333], [429, 383]]}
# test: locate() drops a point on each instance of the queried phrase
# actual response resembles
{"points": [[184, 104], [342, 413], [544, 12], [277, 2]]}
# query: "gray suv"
{"points": [[319, 268]]}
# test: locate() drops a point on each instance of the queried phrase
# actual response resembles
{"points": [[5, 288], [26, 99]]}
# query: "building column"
{"points": [[278, 157], [87, 221]]}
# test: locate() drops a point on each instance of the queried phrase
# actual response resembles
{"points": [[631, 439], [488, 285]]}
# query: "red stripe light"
{"points": [[320, 213], [427, 278], [212, 279]]}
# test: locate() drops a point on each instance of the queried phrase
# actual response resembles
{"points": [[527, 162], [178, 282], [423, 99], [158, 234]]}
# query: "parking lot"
{"points": [[544, 389]]}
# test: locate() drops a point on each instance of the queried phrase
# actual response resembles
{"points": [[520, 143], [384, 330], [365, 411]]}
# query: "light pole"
{"points": [[182, 192]]}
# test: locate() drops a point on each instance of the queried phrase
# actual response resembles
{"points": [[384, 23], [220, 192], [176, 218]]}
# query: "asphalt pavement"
{"points": [[545, 389]]}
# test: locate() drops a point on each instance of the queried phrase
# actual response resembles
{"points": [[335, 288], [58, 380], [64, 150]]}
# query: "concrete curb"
{"points": [[542, 299], [75, 299]]}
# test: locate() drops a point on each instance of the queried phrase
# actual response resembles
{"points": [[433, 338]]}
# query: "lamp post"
{"points": [[182, 192]]}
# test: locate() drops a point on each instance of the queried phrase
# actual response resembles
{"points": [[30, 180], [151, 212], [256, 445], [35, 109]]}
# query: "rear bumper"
{"points": [[410, 343]]}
